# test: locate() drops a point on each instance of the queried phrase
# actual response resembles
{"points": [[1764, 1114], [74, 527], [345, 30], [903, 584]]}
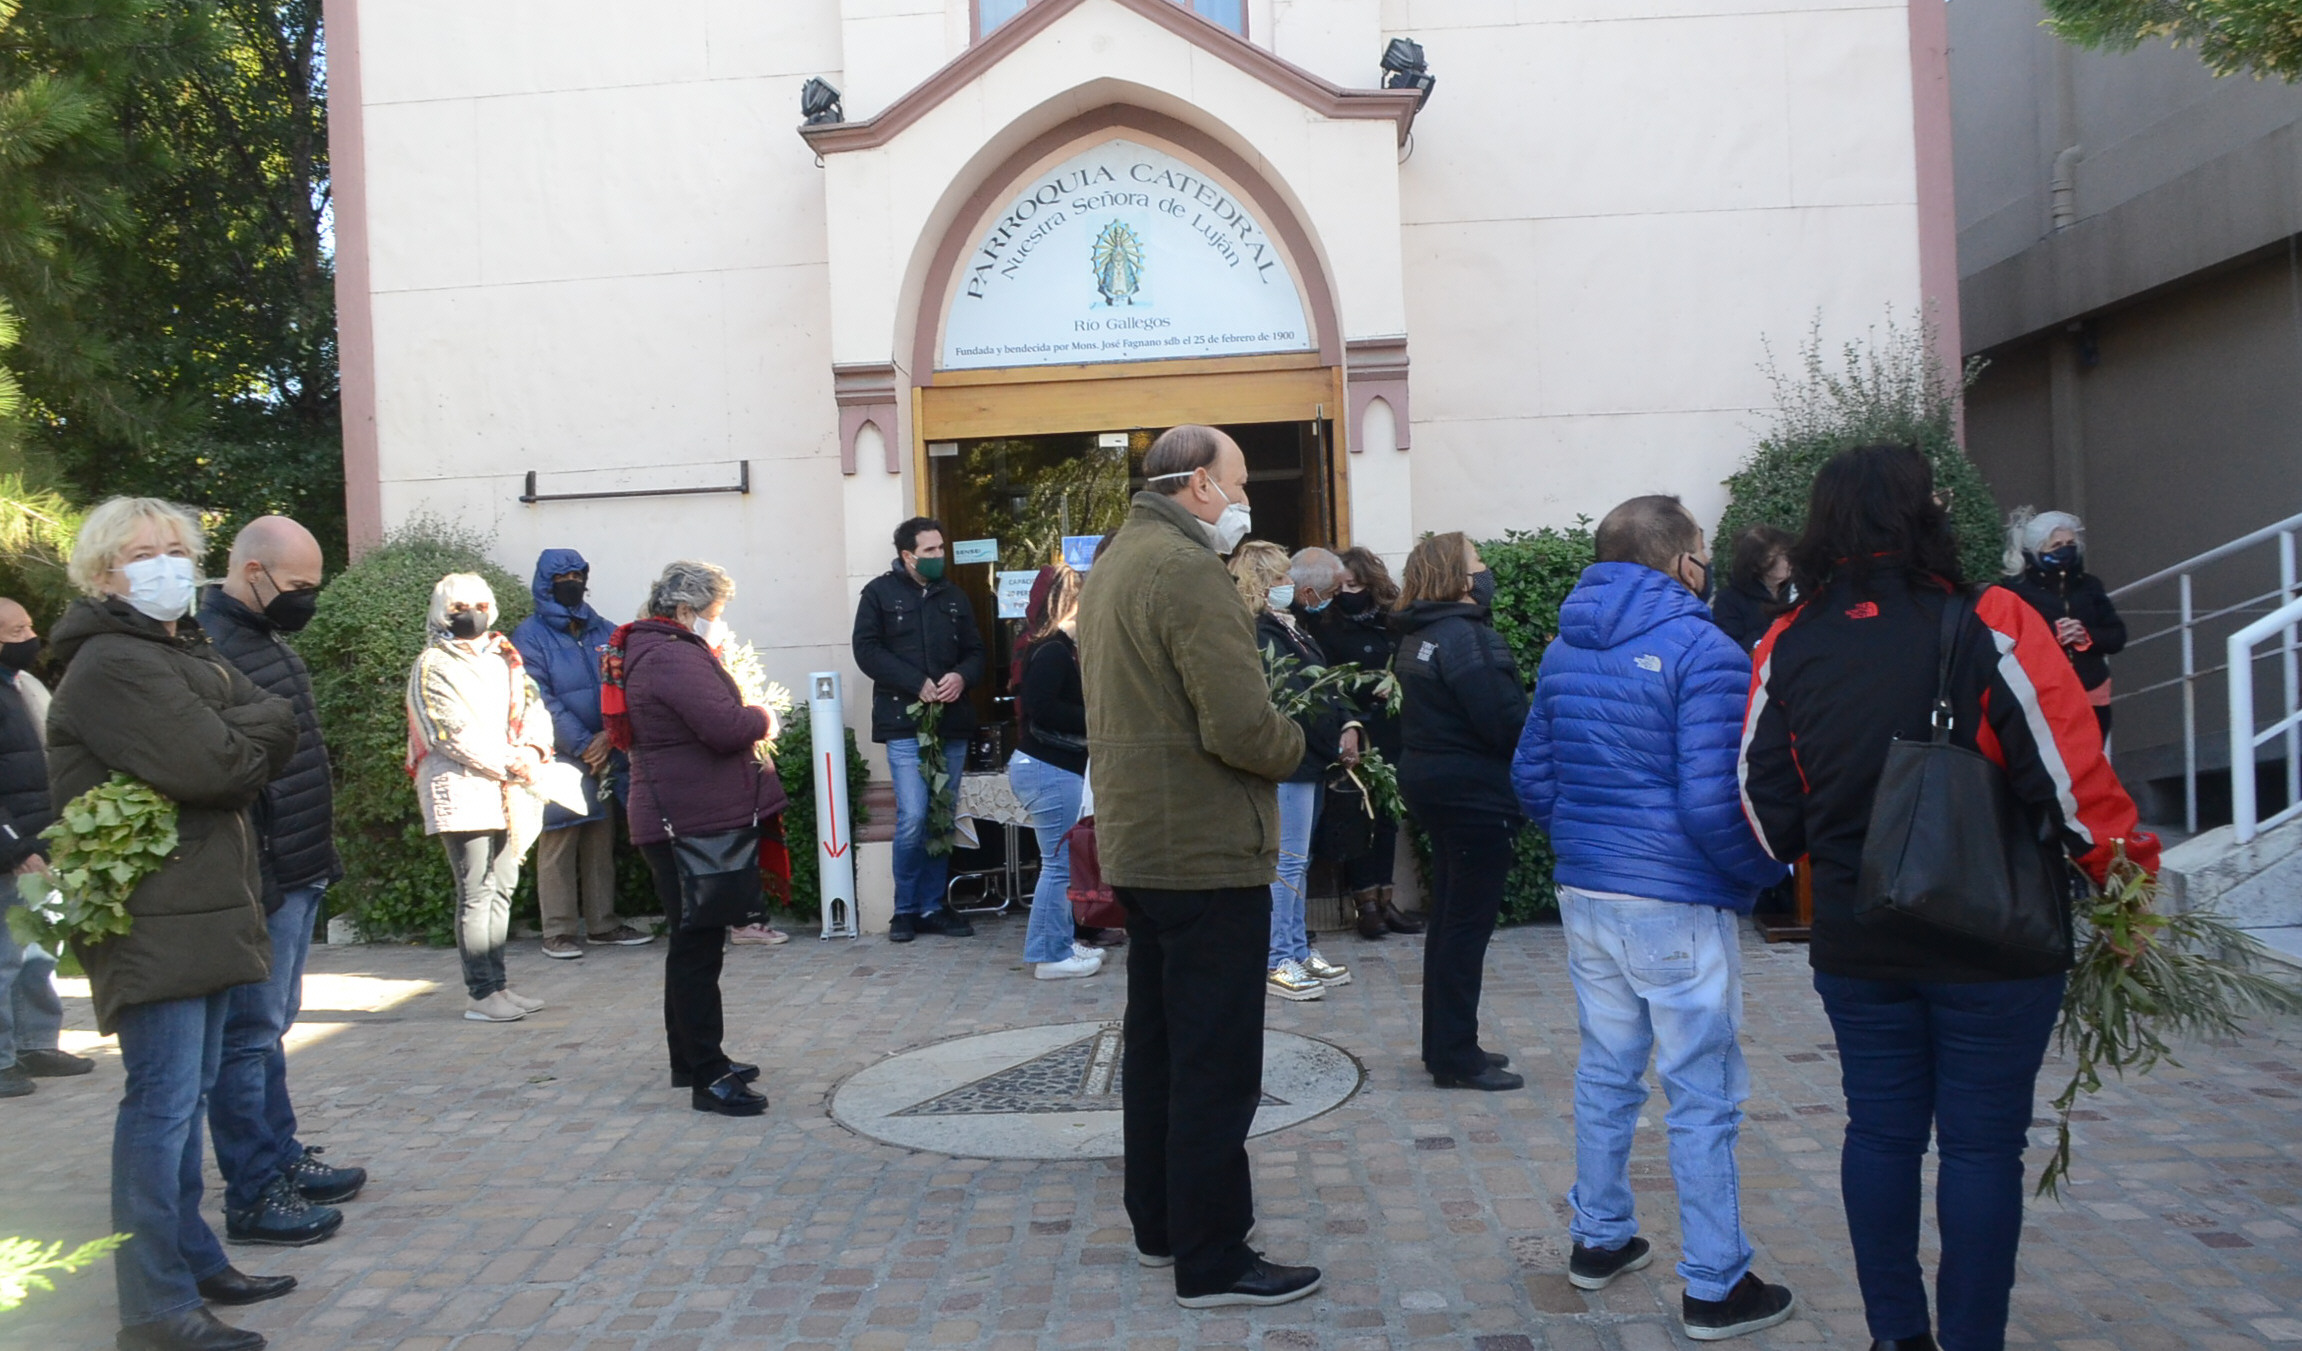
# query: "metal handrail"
{"points": [[2244, 739], [2215, 555]]}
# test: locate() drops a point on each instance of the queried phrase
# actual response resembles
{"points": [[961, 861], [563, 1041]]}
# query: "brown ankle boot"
{"points": [[1397, 923], [1370, 903]]}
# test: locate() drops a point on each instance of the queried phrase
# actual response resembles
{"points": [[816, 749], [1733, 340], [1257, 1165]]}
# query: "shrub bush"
{"points": [[360, 646], [1891, 390]]}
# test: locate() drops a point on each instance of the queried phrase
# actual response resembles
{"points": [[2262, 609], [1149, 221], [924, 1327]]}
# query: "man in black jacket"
{"points": [[31, 1016], [915, 636], [276, 1190]]}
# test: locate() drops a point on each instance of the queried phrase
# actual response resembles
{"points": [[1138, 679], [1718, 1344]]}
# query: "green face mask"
{"points": [[930, 569]]}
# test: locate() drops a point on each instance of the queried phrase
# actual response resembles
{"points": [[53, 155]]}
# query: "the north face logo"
{"points": [[1647, 661], [1867, 610]]}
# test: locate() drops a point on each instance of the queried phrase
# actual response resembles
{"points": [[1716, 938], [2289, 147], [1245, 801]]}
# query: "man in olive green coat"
{"points": [[1186, 750]]}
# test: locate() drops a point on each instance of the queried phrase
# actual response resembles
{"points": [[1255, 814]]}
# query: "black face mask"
{"points": [[1710, 586], [290, 611], [1483, 587], [1355, 602], [21, 656], [2064, 559], [568, 593], [467, 624]]}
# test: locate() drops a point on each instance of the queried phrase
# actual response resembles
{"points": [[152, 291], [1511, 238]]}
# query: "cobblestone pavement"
{"points": [[539, 1186]]}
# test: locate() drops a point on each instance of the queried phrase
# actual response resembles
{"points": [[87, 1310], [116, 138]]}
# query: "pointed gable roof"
{"points": [[1326, 99]]}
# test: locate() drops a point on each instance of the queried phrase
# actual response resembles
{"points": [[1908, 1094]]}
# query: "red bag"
{"points": [[775, 860], [1092, 903]]}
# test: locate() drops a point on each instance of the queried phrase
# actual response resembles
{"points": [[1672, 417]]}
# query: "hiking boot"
{"points": [[622, 936], [949, 923], [1370, 906], [53, 1064], [1395, 921], [1074, 967], [524, 1003], [563, 947], [1750, 1306], [496, 1008], [323, 1183], [15, 1083], [1324, 971], [901, 929], [1596, 1268], [1289, 980], [281, 1218]]}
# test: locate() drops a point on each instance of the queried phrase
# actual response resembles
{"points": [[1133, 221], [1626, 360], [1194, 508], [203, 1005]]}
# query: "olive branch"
{"points": [[1298, 687]]}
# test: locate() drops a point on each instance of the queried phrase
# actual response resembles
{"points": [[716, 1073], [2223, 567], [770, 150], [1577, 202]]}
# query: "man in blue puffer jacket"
{"points": [[1628, 760], [575, 862]]}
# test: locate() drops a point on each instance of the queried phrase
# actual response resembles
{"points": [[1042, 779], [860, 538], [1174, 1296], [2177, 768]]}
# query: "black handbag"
{"points": [[1951, 847], [720, 886], [1346, 828]]}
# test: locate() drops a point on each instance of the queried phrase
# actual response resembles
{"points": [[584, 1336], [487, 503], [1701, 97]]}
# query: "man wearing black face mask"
{"points": [[276, 1190]]}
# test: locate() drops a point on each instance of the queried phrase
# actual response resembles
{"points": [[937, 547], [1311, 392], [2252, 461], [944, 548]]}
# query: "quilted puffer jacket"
{"points": [[1628, 756]]}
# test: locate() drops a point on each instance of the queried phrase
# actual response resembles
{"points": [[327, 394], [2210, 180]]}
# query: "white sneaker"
{"points": [[1070, 968], [1289, 980], [495, 1009], [1086, 950], [527, 1003]]}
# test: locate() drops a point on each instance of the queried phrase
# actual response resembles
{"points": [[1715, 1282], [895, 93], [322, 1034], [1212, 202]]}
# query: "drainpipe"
{"points": [[2062, 192]]}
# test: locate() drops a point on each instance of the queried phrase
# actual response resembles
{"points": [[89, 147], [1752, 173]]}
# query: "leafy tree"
{"points": [[2262, 37], [1890, 390]]}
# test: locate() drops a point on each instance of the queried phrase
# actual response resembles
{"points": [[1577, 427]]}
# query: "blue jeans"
{"points": [[1298, 811], [1663, 977], [31, 1015], [919, 877], [249, 1115], [170, 1051], [1052, 795], [1962, 1059]]}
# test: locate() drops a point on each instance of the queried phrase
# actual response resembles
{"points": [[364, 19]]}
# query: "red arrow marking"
{"points": [[835, 848]]}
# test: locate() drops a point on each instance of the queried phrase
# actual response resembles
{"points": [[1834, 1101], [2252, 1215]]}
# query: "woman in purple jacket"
{"points": [[695, 772]]}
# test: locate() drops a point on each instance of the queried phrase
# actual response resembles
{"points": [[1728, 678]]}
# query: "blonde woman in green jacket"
{"points": [[1188, 751]]}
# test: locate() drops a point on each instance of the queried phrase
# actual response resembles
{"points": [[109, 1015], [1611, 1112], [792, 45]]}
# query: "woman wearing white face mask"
{"points": [[144, 695], [477, 733]]}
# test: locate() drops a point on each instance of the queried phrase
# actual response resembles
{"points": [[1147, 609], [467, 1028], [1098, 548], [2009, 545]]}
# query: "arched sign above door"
{"points": [[1122, 253]]}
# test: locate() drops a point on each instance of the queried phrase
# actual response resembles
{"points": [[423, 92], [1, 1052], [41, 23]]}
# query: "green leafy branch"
{"points": [[104, 842], [2143, 980], [24, 1263], [942, 780]]}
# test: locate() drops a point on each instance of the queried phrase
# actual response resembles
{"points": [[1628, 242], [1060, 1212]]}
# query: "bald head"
{"points": [[15, 622], [271, 554]]}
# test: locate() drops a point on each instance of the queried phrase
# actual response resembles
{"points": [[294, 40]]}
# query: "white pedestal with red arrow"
{"points": [[834, 835]]}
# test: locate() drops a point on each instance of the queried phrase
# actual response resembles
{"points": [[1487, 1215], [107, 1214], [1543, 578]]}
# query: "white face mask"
{"points": [[1282, 596], [712, 631], [160, 588], [1226, 530]]}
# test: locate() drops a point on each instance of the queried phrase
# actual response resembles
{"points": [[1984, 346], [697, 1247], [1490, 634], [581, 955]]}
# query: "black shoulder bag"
{"points": [[1951, 847]]}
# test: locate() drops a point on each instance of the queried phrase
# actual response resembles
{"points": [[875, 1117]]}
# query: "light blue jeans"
{"points": [[919, 877], [1298, 811], [1666, 978], [1052, 795], [31, 1014]]}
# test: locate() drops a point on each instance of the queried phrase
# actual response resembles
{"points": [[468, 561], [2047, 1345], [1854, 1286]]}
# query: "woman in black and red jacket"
{"points": [[1935, 1033]]}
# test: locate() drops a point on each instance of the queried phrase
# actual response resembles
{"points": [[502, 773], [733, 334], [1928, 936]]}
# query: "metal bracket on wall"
{"points": [[741, 485]]}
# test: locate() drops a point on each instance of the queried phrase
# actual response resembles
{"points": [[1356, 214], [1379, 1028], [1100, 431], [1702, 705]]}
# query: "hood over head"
{"points": [[1424, 613], [1616, 602], [549, 564]]}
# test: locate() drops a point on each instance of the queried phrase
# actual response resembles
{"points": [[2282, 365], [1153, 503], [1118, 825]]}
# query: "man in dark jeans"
{"points": [[276, 1189], [915, 636], [1188, 751]]}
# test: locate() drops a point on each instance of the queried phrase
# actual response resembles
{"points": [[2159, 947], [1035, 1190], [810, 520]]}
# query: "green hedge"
{"points": [[1893, 390]]}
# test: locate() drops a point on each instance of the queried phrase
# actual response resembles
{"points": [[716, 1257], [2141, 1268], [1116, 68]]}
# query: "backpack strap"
{"points": [[1955, 610]]}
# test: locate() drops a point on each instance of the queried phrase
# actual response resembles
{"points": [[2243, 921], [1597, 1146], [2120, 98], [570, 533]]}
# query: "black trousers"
{"points": [[692, 1023], [1375, 867], [1470, 859], [1193, 1075]]}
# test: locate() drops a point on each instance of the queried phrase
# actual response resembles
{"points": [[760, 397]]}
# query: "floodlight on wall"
{"points": [[819, 102], [1404, 68]]}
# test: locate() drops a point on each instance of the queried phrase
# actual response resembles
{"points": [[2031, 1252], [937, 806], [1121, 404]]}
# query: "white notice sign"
{"points": [[1122, 253]]}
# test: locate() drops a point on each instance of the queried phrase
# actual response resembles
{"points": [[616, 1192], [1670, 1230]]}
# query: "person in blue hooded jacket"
{"points": [[575, 863], [1628, 761]]}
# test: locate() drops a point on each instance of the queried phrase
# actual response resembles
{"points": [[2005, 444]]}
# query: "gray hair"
{"points": [[696, 585], [1317, 569], [2027, 532]]}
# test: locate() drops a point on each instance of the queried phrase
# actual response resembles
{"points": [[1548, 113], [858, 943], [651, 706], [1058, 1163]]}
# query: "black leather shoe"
{"points": [[324, 1184], [1596, 1268], [191, 1330], [15, 1083], [1922, 1342], [281, 1218], [1264, 1283], [728, 1096], [1497, 1059], [234, 1286], [900, 930], [52, 1064], [949, 923], [747, 1073], [1492, 1079]]}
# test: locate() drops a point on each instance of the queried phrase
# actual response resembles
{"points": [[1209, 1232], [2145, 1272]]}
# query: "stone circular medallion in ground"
{"points": [[1053, 1092]]}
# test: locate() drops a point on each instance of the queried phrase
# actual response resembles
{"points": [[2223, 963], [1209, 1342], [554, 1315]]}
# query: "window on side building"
{"points": [[1231, 14]]}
